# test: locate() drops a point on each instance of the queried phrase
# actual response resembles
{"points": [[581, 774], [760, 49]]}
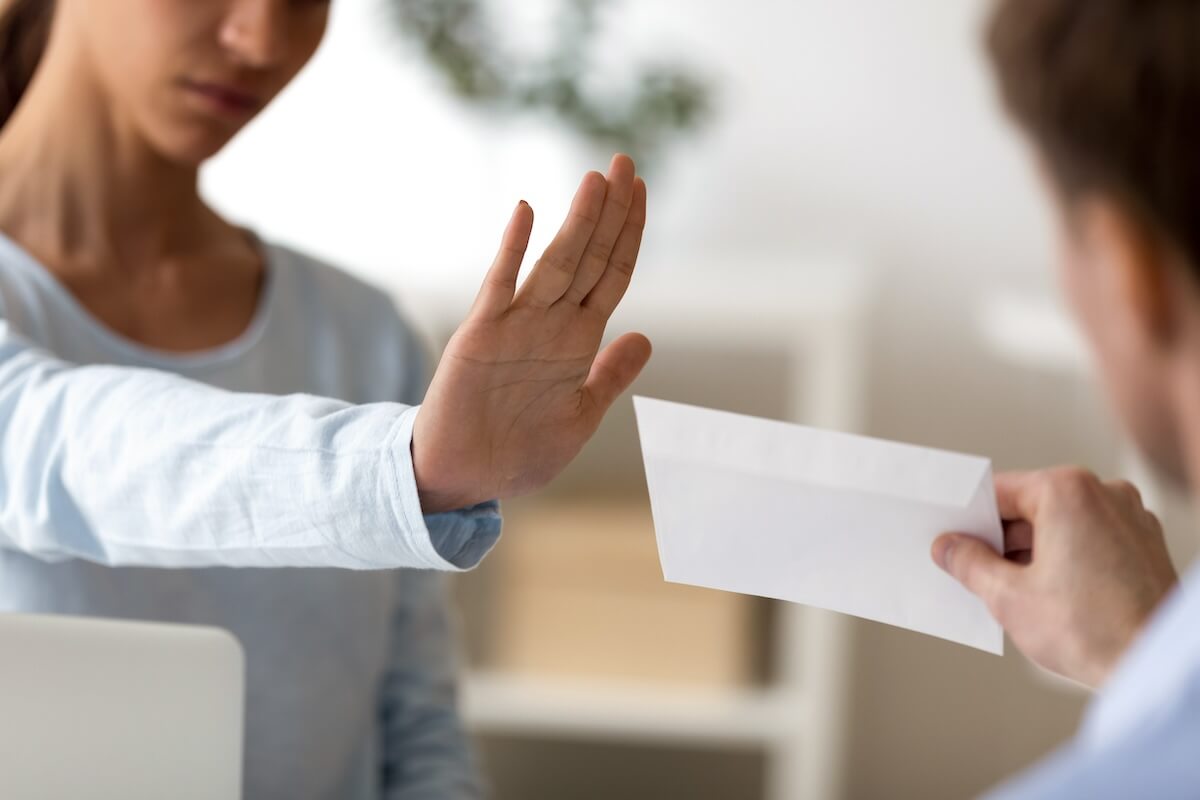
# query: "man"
{"points": [[1108, 92]]}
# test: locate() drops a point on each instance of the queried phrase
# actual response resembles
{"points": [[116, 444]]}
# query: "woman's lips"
{"points": [[224, 99]]}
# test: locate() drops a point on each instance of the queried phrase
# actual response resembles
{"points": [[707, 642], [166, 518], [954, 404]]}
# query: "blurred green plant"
{"points": [[660, 102]]}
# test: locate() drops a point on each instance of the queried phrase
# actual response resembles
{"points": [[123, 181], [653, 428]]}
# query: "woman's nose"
{"points": [[254, 32]]}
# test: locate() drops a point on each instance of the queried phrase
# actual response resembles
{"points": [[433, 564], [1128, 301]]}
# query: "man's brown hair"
{"points": [[1109, 91]]}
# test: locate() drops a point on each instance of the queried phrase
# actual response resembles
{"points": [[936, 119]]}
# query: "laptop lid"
{"points": [[119, 710]]}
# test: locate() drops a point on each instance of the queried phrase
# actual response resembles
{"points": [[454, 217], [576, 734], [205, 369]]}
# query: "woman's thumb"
{"points": [[615, 369]]}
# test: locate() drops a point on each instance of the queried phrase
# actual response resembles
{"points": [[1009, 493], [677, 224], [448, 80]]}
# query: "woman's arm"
{"points": [[425, 752], [127, 466]]}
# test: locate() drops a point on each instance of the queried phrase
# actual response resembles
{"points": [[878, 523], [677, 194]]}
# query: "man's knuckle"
{"points": [[1074, 476], [1072, 482], [1128, 490], [967, 567], [1000, 604]]}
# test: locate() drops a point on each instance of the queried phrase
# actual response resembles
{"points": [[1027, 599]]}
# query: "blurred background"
{"points": [[844, 232]]}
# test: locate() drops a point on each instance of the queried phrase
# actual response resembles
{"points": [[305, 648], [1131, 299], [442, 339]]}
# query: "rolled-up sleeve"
{"points": [[452, 541], [127, 466]]}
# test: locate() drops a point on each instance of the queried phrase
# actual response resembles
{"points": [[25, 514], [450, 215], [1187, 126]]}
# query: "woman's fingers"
{"points": [[609, 290], [600, 247], [555, 271], [592, 258], [500, 284]]}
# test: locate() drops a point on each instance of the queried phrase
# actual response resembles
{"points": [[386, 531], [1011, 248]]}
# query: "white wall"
{"points": [[865, 127], [855, 125]]}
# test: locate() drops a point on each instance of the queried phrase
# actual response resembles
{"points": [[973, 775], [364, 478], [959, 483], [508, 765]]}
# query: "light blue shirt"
{"points": [[1141, 735], [137, 483]]}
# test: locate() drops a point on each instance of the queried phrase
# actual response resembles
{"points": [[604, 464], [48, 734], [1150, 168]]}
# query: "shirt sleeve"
{"points": [[426, 754], [125, 466], [1158, 759]]}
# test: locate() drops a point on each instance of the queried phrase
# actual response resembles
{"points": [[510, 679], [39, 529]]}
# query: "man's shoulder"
{"points": [[1141, 735], [1161, 671]]}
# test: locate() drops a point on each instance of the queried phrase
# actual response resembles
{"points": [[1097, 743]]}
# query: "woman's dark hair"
{"points": [[24, 29], [1109, 91]]}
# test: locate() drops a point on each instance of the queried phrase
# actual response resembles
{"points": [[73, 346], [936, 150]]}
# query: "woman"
{"points": [[165, 385]]}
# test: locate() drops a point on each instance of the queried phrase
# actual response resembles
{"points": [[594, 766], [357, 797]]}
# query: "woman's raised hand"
{"points": [[523, 385]]}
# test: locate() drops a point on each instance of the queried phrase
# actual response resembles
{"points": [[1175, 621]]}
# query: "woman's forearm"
{"points": [[127, 466]]}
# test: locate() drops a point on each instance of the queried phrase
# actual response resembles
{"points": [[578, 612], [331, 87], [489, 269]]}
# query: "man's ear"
{"points": [[1138, 264]]}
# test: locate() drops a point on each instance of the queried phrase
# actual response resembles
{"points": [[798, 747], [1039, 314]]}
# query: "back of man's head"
{"points": [[1109, 93], [1109, 90]]}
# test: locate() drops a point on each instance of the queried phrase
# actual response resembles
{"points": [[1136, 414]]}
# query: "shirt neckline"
{"points": [[13, 252]]}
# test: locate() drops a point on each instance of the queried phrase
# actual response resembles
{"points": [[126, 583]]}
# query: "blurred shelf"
{"points": [[649, 712]]}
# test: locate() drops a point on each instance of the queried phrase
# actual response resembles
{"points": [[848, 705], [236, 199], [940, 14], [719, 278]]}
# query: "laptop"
{"points": [[113, 710]]}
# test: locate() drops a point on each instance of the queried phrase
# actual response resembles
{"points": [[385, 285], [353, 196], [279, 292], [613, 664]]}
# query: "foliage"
{"points": [[661, 102]]}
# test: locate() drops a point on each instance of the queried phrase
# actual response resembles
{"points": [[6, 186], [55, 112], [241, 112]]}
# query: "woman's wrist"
{"points": [[437, 494]]}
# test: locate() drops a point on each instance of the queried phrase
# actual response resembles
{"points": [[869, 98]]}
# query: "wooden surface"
{"points": [[584, 596]]}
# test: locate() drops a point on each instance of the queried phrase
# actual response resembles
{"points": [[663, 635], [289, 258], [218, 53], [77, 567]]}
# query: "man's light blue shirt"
{"points": [[1141, 736], [141, 484]]}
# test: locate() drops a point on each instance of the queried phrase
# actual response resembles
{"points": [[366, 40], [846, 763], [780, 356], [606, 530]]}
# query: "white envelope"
{"points": [[816, 517]]}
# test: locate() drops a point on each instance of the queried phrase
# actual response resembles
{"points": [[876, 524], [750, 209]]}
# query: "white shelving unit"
{"points": [[625, 711], [819, 315]]}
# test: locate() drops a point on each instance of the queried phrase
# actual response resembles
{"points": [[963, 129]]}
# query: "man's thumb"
{"points": [[974, 564]]}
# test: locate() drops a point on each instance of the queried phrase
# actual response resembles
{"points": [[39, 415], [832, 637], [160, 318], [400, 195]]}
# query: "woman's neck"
{"points": [[81, 188]]}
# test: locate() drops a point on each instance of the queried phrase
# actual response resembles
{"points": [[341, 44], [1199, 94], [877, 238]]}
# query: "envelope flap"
{"points": [[816, 457]]}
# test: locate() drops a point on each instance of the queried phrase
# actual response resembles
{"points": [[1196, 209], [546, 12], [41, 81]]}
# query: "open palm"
{"points": [[523, 385]]}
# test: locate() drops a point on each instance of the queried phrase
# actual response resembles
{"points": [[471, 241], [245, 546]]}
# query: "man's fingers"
{"points": [[1126, 490], [614, 371], [983, 571], [496, 294], [600, 248], [1019, 494], [555, 270], [611, 288], [1018, 536]]}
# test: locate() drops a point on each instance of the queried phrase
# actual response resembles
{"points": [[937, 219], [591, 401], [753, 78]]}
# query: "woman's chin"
{"points": [[194, 146]]}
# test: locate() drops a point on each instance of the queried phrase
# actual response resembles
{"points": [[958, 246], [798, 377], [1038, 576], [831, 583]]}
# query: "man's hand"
{"points": [[1085, 566], [522, 385]]}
